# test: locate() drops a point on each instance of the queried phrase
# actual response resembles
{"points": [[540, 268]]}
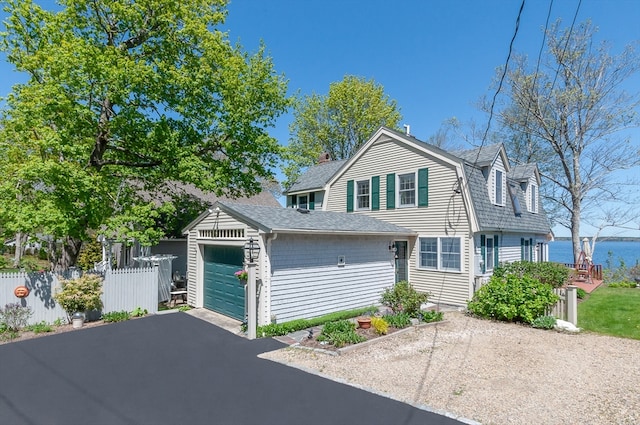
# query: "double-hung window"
{"points": [[533, 202], [407, 190], [499, 185], [441, 253], [489, 259], [363, 195]]}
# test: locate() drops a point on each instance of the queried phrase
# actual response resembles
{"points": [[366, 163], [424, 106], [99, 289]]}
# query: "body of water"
{"points": [[629, 252]]}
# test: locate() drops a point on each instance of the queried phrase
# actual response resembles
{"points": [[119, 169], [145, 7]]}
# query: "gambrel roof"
{"points": [[513, 216]]}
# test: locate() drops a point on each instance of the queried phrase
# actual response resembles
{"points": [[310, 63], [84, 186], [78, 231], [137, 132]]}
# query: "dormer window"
{"points": [[499, 188], [533, 198]]}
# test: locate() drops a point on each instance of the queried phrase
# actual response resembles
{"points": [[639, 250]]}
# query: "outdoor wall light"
{"points": [[392, 247], [251, 250]]}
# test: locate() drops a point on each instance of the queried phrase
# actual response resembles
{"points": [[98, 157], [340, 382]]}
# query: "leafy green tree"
{"points": [[338, 123], [121, 97], [569, 116]]}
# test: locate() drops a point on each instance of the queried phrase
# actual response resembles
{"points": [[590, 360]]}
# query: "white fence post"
{"points": [[572, 304]]}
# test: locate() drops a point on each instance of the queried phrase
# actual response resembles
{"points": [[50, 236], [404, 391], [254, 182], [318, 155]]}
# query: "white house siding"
{"points": [[306, 280], [446, 214]]}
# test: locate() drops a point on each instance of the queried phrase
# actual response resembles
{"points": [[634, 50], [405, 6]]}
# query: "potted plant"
{"points": [[242, 276], [364, 322], [79, 296]]}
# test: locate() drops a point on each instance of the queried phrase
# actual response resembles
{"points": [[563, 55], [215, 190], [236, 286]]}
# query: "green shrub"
{"points": [[139, 312], [3, 262], [184, 308], [581, 293], [398, 320], [42, 254], [544, 322], [553, 274], [42, 327], [81, 294], [278, 329], [380, 325], [90, 253], [116, 316], [29, 264], [431, 316], [14, 316], [402, 297], [340, 333], [512, 298], [623, 284]]}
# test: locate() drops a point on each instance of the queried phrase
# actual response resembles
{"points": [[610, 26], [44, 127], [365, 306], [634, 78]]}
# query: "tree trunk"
{"points": [[70, 251], [21, 240], [575, 230]]}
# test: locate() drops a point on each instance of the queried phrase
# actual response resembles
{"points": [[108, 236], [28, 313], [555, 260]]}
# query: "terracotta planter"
{"points": [[364, 322]]}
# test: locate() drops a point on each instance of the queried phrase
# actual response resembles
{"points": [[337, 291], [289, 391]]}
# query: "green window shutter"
{"points": [[312, 201], [375, 193], [391, 191], [496, 251], [531, 249], [423, 187], [521, 248], [350, 196], [483, 253]]}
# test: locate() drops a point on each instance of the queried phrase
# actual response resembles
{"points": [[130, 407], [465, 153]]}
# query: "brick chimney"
{"points": [[324, 157]]}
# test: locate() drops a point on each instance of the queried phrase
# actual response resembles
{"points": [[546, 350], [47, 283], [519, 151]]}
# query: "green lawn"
{"points": [[611, 311]]}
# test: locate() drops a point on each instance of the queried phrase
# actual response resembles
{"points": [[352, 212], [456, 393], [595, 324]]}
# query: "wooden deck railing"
{"points": [[595, 269]]}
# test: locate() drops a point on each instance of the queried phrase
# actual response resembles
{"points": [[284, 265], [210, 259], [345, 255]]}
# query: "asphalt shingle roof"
{"points": [[316, 176], [503, 218], [522, 172], [272, 219], [482, 156]]}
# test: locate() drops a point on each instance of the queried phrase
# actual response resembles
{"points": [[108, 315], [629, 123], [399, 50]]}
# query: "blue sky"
{"points": [[435, 58]]}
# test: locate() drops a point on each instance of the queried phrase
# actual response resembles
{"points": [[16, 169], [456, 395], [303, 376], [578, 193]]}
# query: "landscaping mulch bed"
{"points": [[24, 335], [369, 334]]}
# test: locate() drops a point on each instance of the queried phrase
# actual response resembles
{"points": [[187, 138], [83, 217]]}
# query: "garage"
{"points": [[222, 291]]}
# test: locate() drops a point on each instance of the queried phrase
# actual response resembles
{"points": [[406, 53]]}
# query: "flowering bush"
{"points": [[14, 316], [241, 274], [80, 294]]}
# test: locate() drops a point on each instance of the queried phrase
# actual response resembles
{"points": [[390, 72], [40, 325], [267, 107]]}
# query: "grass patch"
{"points": [[611, 311]]}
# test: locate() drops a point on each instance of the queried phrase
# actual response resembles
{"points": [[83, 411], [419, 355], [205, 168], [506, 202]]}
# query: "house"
{"points": [[470, 209], [192, 198], [311, 262]]}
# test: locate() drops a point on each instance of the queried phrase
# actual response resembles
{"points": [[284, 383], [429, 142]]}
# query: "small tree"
{"points": [[81, 294]]}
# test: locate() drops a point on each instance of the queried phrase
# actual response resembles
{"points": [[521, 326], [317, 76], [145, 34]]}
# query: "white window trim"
{"points": [[306, 195], [533, 196], [440, 268], [488, 266], [415, 189], [356, 207]]}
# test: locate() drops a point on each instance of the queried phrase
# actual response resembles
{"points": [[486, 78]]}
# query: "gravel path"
{"points": [[494, 373]]}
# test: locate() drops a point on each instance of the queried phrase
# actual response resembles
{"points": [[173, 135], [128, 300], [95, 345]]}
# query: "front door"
{"points": [[402, 262]]}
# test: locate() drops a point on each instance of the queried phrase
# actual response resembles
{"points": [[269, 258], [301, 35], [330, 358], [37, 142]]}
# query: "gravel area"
{"points": [[494, 373]]}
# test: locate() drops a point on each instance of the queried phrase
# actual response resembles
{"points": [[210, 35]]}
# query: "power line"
{"points": [[504, 74]]}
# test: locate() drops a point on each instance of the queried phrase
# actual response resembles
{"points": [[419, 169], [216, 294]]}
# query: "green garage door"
{"points": [[222, 291]]}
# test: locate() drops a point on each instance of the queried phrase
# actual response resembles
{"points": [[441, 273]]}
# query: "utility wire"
{"points": [[502, 77]]}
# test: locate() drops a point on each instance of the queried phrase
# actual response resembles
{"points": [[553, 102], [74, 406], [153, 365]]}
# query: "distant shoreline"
{"points": [[603, 238]]}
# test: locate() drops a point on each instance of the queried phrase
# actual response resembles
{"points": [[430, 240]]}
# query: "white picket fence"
{"points": [[567, 306], [122, 289]]}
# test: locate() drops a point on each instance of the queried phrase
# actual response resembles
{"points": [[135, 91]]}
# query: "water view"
{"points": [[628, 251]]}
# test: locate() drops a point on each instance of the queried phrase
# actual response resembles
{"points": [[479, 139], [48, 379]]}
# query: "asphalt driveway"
{"points": [[175, 369]]}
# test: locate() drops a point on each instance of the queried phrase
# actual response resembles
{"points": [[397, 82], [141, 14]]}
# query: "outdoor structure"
{"points": [[310, 262], [470, 209]]}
